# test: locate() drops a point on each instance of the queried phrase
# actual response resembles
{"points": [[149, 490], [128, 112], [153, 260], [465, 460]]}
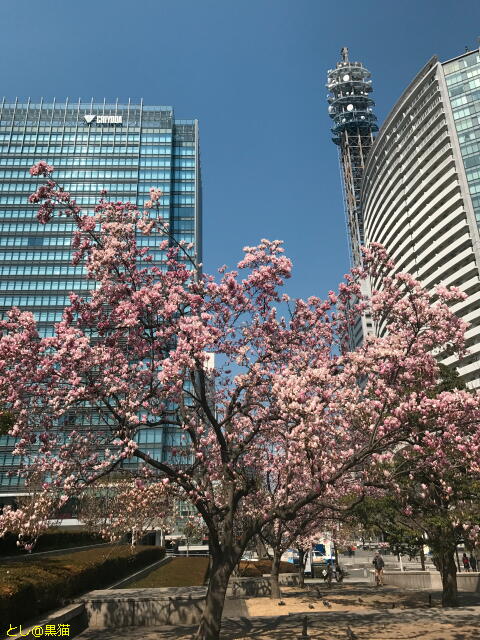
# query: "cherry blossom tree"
{"points": [[285, 398], [299, 533], [309, 523], [421, 507], [119, 507], [427, 504], [303, 545], [192, 529], [428, 490]]}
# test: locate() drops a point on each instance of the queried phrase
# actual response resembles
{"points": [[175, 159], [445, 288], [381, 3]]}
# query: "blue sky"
{"points": [[253, 72]]}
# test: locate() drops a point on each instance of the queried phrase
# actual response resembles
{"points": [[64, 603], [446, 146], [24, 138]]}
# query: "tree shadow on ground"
{"points": [[411, 625], [372, 597]]}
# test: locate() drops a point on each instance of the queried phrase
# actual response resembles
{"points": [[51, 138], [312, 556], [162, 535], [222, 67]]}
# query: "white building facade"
{"points": [[420, 185]]}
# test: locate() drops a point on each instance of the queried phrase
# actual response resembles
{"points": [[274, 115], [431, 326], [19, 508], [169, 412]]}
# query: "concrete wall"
{"points": [[112, 608], [287, 579], [253, 587], [144, 607], [357, 572], [257, 587], [469, 582], [74, 615], [424, 580]]}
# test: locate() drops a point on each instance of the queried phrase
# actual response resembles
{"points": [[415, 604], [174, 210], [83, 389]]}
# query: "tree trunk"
{"points": [[260, 548], [301, 567], [458, 560], [275, 586], [448, 572], [422, 558], [209, 628], [335, 553]]}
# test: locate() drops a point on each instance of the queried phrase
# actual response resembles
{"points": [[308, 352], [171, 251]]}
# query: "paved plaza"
{"points": [[463, 624], [371, 613]]}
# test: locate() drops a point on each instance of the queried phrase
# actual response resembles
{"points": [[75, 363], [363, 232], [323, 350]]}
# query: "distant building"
{"points": [[125, 148], [421, 189]]}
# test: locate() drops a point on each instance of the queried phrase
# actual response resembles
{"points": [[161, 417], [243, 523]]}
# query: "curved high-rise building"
{"points": [[421, 189]]}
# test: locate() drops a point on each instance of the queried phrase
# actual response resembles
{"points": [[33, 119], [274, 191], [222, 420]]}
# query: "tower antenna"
{"points": [[354, 125]]}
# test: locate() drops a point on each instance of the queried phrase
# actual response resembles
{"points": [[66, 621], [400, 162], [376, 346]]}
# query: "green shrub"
{"points": [[49, 541], [31, 587]]}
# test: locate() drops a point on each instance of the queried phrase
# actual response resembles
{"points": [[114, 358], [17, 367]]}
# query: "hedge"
{"points": [[49, 541], [30, 588]]}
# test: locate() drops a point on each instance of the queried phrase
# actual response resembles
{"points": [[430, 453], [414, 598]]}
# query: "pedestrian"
{"points": [[328, 573], [378, 563], [473, 562], [339, 574], [466, 562]]}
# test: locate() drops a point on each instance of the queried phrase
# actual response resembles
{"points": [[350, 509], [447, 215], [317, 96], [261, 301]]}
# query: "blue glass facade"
{"points": [[125, 148], [463, 81]]}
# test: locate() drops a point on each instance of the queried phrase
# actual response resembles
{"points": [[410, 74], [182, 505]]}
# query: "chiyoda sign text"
{"points": [[89, 118]]}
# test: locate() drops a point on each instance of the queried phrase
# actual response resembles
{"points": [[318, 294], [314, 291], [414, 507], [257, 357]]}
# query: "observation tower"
{"points": [[354, 125]]}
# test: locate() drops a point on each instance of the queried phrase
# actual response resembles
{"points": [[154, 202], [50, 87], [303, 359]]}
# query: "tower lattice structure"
{"points": [[354, 125]]}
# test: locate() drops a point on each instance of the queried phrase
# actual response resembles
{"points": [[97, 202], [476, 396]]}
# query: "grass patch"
{"points": [[179, 572]]}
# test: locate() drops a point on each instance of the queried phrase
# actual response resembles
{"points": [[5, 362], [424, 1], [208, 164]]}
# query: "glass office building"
{"points": [[125, 148], [462, 77]]}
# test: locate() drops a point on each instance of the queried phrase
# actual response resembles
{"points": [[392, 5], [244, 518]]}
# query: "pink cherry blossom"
{"points": [[285, 404]]}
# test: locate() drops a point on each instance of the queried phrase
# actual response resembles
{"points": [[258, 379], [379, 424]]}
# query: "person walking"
{"points": [[339, 574], [378, 563], [328, 573], [466, 562], [473, 562]]}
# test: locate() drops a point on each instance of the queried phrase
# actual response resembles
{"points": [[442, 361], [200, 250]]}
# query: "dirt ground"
{"points": [[389, 613], [348, 597]]}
